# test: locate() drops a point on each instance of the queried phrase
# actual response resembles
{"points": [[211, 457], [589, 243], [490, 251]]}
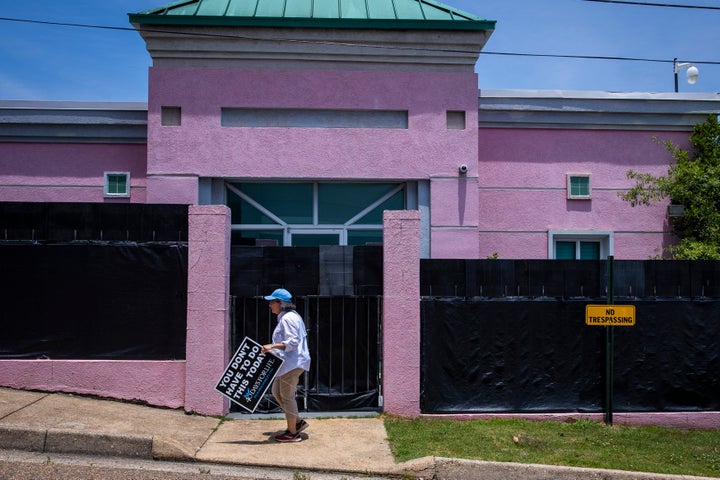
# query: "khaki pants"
{"points": [[284, 389]]}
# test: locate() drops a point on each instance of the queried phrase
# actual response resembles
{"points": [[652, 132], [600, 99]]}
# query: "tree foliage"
{"points": [[694, 182]]}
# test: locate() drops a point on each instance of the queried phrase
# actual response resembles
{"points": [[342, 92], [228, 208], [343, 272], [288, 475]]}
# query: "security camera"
{"points": [[463, 169]]}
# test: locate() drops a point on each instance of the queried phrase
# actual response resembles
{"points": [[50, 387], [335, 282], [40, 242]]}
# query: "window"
{"points": [[170, 116], [117, 184], [578, 186], [676, 210], [311, 214], [580, 245], [455, 120], [577, 250], [312, 118]]}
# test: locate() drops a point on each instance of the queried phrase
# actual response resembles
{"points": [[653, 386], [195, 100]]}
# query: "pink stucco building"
{"points": [[301, 128]]}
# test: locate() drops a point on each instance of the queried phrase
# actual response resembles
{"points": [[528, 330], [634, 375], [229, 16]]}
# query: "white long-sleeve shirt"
{"points": [[290, 331]]}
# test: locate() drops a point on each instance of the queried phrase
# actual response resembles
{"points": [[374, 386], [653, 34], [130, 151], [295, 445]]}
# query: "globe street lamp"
{"points": [[692, 72]]}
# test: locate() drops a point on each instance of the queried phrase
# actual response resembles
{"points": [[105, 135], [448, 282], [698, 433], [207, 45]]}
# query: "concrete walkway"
{"points": [[63, 423]]}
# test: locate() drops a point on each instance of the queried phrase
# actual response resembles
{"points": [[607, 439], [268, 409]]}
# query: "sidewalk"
{"points": [[63, 423]]}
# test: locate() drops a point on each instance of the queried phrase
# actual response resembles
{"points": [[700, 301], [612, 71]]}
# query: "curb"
{"points": [[18, 438], [70, 441], [456, 469], [133, 446], [165, 448], [426, 468]]}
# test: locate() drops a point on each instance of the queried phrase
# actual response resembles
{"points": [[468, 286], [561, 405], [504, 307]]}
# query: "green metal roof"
{"points": [[370, 14]]}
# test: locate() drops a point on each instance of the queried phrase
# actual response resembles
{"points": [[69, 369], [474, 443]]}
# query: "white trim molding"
{"points": [[594, 110]]}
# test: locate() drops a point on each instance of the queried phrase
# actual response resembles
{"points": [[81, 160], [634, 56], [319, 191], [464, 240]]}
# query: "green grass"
{"points": [[578, 444]]}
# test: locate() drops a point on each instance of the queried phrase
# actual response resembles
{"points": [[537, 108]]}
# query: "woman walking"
{"points": [[289, 342]]}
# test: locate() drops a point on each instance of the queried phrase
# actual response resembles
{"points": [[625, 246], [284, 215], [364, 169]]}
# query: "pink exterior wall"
{"points": [[454, 216], [154, 382], [201, 146], [68, 172], [171, 189], [427, 149], [401, 313], [208, 317], [523, 195]]}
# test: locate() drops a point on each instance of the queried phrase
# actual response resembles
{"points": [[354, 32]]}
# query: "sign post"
{"points": [[610, 316], [248, 375], [609, 347]]}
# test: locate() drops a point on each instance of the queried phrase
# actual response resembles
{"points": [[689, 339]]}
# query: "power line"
{"points": [[587, 57], [597, 57], [61, 24], [651, 4], [349, 44]]}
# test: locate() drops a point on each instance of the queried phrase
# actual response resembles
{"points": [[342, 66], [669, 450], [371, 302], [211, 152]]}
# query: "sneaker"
{"points": [[288, 437], [299, 427]]}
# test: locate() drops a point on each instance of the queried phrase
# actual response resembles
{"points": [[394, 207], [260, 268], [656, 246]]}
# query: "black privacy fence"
{"points": [[92, 301], [110, 222], [499, 351], [324, 270], [93, 281], [569, 278]]}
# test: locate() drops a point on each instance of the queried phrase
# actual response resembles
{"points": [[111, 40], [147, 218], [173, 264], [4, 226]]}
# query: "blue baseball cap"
{"points": [[280, 294]]}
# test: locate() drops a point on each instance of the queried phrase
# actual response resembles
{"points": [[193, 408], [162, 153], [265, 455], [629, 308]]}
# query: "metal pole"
{"points": [[675, 71], [306, 375], [609, 348]]}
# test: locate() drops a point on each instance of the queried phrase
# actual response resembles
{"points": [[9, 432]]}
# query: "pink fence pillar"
{"points": [[208, 322], [401, 313]]}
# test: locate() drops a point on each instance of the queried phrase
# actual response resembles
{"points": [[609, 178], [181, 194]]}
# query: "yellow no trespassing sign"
{"points": [[610, 315]]}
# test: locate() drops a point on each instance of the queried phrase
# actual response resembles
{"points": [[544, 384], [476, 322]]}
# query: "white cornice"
{"points": [[340, 49], [595, 110], [86, 122]]}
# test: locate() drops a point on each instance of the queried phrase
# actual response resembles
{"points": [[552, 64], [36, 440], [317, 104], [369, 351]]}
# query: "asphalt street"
{"points": [[23, 465]]}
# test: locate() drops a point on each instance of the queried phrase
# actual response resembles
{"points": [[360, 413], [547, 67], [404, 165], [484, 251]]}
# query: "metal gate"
{"points": [[345, 341]]}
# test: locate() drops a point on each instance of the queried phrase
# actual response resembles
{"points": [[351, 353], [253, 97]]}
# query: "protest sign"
{"points": [[248, 375]]}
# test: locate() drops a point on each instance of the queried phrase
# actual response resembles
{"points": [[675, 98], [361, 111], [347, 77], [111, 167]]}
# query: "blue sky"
{"points": [[45, 62]]}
